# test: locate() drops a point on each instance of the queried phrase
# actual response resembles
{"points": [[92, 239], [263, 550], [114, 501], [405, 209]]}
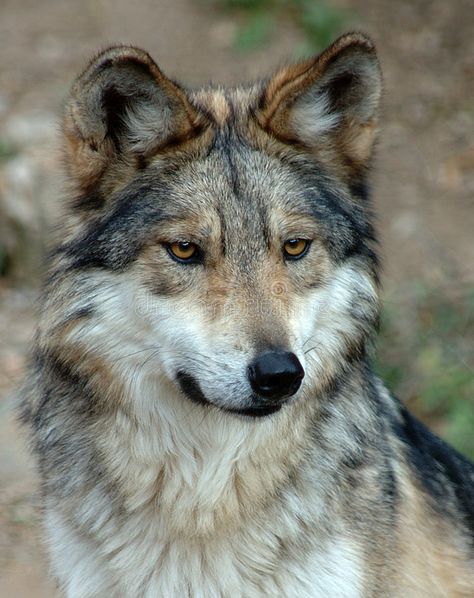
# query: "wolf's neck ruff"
{"points": [[206, 471]]}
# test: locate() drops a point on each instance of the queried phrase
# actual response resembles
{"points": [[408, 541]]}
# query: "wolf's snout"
{"points": [[275, 374]]}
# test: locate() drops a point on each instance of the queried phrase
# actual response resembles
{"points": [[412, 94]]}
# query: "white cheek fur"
{"points": [[151, 336]]}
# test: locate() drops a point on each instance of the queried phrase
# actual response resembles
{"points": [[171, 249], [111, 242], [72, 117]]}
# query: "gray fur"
{"points": [[147, 493]]}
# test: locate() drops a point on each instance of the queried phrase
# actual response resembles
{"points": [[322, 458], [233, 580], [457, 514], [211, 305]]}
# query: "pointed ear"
{"points": [[123, 108], [328, 104]]}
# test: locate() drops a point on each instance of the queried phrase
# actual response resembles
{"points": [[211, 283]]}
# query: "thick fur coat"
{"points": [[207, 229]]}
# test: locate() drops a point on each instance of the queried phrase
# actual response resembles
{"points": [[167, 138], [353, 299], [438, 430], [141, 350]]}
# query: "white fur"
{"points": [[148, 124], [189, 529], [242, 565], [312, 116]]}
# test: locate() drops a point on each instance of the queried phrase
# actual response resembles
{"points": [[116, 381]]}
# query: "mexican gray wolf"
{"points": [[202, 406]]}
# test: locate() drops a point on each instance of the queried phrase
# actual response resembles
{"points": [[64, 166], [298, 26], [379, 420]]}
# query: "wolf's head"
{"points": [[220, 240]]}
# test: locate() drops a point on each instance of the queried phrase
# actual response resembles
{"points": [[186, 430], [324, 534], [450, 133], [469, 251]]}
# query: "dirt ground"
{"points": [[424, 183]]}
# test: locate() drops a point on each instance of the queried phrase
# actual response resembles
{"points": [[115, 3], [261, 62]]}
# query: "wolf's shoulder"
{"points": [[445, 475]]}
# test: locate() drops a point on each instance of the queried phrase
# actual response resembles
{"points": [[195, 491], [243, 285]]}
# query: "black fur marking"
{"points": [[190, 387], [114, 105], [83, 312], [339, 90], [360, 190], [117, 97], [438, 467], [115, 240], [257, 411], [63, 420], [350, 230], [389, 483], [59, 375], [345, 224], [88, 202]]}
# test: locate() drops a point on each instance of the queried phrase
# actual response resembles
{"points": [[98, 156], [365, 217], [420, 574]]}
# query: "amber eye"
{"points": [[183, 251], [295, 248]]}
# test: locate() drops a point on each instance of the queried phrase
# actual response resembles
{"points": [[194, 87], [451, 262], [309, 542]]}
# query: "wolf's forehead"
{"points": [[227, 106], [238, 183]]}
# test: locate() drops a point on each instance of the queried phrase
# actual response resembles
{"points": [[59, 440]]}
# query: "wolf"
{"points": [[201, 403]]}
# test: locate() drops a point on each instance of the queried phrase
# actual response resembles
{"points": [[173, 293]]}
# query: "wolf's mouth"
{"points": [[256, 411], [190, 387]]}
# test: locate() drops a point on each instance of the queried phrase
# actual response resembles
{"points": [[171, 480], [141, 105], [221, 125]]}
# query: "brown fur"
{"points": [[169, 471], [432, 562]]}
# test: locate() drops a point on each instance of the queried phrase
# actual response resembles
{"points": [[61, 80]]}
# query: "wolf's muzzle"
{"points": [[275, 375]]}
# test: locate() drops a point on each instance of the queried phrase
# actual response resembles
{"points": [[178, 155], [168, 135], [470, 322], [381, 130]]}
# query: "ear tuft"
{"points": [[330, 101], [122, 106]]}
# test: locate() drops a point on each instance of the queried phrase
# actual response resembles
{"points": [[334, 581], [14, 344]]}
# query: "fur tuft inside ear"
{"points": [[313, 116], [120, 108], [329, 102]]}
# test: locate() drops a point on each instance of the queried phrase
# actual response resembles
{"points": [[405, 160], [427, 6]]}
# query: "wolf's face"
{"points": [[221, 240]]}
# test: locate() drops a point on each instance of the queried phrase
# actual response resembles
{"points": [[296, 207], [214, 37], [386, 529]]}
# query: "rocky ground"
{"points": [[424, 185]]}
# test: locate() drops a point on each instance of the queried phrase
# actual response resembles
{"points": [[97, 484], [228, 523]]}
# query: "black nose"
{"points": [[276, 374]]}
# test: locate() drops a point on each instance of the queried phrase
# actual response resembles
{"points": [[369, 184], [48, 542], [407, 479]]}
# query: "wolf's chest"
{"points": [[233, 569], [251, 563]]}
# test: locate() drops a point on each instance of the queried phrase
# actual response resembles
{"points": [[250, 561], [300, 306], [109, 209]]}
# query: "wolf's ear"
{"points": [[122, 107], [329, 103]]}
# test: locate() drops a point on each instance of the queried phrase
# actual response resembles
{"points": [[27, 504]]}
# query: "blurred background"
{"points": [[423, 184]]}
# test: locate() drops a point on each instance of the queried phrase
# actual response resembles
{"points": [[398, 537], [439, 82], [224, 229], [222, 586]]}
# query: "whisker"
{"points": [[137, 352], [312, 348]]}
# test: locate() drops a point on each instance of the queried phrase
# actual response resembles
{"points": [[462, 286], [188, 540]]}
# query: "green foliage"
{"points": [[245, 4], [320, 22], [3, 260], [7, 150], [259, 19], [255, 32], [426, 357]]}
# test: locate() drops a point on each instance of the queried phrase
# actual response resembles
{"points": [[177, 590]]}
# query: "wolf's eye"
{"points": [[183, 251], [293, 249]]}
